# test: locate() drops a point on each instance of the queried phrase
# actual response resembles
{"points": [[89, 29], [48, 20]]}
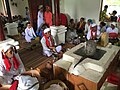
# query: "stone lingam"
{"points": [[92, 70]]}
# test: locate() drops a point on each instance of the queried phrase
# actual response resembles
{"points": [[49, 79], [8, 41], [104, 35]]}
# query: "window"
{"points": [[112, 5]]}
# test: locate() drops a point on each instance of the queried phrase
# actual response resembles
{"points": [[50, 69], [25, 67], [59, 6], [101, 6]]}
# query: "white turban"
{"points": [[40, 6], [6, 47], [93, 25], [113, 23], [46, 30]]}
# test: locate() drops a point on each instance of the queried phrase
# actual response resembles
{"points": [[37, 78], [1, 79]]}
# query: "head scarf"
{"points": [[7, 63]]}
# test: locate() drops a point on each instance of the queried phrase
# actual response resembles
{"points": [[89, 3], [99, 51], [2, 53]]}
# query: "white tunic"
{"points": [[29, 34], [40, 19], [5, 76], [87, 28], [110, 30]]}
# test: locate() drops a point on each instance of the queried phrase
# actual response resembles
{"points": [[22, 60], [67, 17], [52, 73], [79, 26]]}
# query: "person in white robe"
{"points": [[87, 26], [40, 19], [10, 64], [113, 33], [49, 44], [112, 29], [29, 33], [93, 33]]}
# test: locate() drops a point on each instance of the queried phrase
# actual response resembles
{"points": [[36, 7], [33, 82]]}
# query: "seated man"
{"points": [[113, 33], [48, 44], [93, 34], [29, 33], [81, 27], [10, 64], [71, 34]]}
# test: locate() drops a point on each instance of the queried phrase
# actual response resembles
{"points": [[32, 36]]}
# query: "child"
{"points": [[29, 33]]}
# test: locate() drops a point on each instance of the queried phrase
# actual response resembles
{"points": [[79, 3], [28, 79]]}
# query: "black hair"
{"points": [[27, 23], [114, 12], [26, 7], [82, 18], [102, 23], [71, 20], [106, 6]]}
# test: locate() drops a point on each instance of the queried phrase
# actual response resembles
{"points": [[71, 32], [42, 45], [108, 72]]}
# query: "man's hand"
{"points": [[53, 49]]}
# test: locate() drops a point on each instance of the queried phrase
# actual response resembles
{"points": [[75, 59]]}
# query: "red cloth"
{"points": [[113, 78], [47, 41], [14, 85], [43, 33], [8, 64], [63, 19], [48, 18], [93, 36], [113, 35]]}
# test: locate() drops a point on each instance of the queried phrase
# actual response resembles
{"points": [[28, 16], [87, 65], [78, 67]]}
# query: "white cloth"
{"points": [[7, 76], [46, 50], [6, 47], [89, 34], [87, 28], [113, 23], [40, 19], [93, 25], [110, 30], [26, 82], [29, 34], [55, 87], [46, 30]]}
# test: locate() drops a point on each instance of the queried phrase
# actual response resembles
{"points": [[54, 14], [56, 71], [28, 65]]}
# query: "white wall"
{"points": [[19, 10], [82, 8], [1, 9], [74, 8]]}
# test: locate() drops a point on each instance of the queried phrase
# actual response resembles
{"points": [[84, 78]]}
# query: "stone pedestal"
{"points": [[12, 28], [58, 32]]}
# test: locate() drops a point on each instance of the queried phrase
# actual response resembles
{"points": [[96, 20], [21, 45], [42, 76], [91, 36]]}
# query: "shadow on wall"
{"points": [[68, 17]]}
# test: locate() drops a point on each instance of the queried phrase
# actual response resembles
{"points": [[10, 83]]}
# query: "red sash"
{"points": [[47, 41], [7, 63], [93, 36], [14, 85]]}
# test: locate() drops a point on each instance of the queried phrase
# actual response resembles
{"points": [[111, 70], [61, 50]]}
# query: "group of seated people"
{"points": [[48, 42], [91, 30], [88, 29]]}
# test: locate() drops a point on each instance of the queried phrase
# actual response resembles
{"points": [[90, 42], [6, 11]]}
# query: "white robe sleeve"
{"points": [[2, 72], [33, 32], [21, 67], [88, 35], [43, 42]]}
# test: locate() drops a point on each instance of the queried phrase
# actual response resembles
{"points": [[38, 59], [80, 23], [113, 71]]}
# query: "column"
{"points": [[2, 36], [8, 11], [57, 12]]}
